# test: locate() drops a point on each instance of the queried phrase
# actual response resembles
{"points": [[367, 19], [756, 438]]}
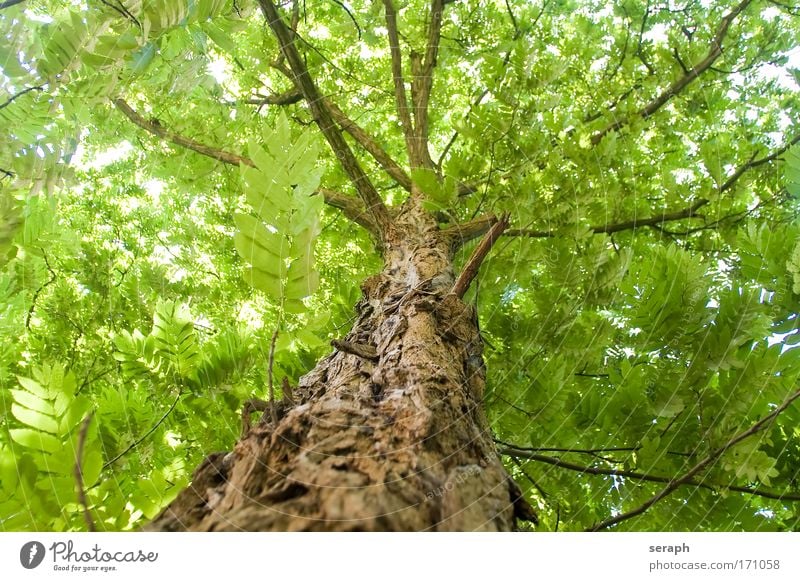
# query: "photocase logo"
{"points": [[31, 554]]}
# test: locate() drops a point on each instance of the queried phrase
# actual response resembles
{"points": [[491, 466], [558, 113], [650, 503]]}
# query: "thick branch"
{"points": [[289, 97], [699, 467], [399, 84], [155, 127], [470, 270], [460, 234], [714, 52], [351, 207], [372, 147], [689, 212], [528, 455], [423, 83], [324, 120]]}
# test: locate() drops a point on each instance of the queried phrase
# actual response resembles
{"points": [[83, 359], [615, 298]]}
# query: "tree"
{"points": [[476, 266]]}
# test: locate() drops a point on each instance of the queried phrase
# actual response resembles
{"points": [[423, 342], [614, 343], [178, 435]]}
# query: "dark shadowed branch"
{"points": [[697, 468], [714, 52], [16, 96], [10, 3], [514, 452], [147, 434], [474, 228]]}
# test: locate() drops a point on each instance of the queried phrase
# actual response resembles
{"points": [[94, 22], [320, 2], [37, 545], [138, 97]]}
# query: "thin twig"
{"points": [[269, 375], [87, 515], [16, 96], [147, 434], [35, 298], [753, 162], [350, 14], [514, 452]]}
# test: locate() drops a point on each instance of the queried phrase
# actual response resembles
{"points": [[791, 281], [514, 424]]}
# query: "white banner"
{"points": [[406, 557]]}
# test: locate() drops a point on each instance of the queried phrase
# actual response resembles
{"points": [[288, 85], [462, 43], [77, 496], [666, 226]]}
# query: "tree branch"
{"points": [[689, 212], [351, 207], [322, 116], [10, 3], [697, 468], [372, 147], [399, 84], [714, 52], [155, 127], [147, 434], [470, 270], [423, 83], [514, 452], [757, 162], [16, 96], [289, 97], [355, 131], [474, 228], [84, 431], [460, 234]]}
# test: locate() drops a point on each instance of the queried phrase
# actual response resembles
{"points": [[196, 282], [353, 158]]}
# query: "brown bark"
{"points": [[397, 441]]}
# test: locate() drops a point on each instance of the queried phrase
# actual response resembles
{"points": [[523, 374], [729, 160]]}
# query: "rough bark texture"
{"points": [[397, 441]]}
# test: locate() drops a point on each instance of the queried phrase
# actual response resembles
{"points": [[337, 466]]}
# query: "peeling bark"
{"points": [[394, 442]]}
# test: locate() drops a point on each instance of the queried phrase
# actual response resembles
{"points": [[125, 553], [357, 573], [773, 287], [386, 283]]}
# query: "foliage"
{"points": [[642, 311]]}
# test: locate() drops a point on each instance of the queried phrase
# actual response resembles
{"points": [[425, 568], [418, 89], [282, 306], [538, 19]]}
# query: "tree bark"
{"points": [[394, 441]]}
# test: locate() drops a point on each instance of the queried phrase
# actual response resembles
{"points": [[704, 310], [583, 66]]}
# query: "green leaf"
{"points": [[791, 170], [302, 286], [35, 439], [35, 419], [141, 59], [256, 244]]}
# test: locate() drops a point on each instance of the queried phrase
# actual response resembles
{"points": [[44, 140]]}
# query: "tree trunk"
{"points": [[393, 438]]}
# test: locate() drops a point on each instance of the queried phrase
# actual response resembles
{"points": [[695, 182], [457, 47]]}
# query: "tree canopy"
{"points": [[181, 228]]}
